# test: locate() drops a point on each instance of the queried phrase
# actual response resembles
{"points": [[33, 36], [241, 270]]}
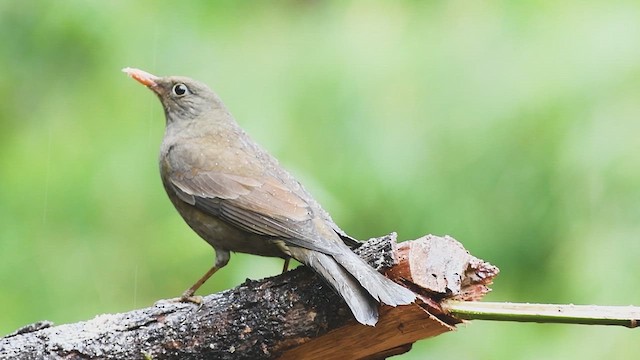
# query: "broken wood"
{"points": [[285, 316]]}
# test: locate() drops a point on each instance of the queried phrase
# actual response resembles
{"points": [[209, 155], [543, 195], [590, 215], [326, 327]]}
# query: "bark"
{"points": [[289, 316]]}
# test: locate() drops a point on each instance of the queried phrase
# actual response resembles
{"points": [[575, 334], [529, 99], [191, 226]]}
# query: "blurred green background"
{"points": [[512, 126]]}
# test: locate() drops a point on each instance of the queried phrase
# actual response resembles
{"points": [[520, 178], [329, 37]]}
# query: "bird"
{"points": [[238, 198]]}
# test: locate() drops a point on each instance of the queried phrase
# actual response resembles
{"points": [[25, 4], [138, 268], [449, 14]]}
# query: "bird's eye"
{"points": [[180, 90]]}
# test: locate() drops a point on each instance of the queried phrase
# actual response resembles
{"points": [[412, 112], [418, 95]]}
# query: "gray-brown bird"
{"points": [[237, 197]]}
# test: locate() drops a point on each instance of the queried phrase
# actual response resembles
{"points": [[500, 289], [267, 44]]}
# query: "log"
{"points": [[289, 316]]}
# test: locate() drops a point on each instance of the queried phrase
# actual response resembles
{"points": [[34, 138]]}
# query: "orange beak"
{"points": [[143, 77]]}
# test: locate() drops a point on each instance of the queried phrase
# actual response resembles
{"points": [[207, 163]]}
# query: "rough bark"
{"points": [[285, 316]]}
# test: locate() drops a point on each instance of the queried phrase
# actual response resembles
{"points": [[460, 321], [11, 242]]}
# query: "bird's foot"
{"points": [[194, 299]]}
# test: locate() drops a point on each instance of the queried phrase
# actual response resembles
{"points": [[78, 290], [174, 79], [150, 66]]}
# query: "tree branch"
{"points": [[283, 316]]}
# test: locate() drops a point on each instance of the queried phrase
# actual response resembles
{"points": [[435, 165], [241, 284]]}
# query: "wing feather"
{"points": [[263, 206]]}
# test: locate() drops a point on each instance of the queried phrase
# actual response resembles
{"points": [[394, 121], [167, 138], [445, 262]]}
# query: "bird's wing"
{"points": [[262, 206]]}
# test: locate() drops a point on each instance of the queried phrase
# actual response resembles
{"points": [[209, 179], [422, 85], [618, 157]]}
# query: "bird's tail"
{"points": [[380, 287], [360, 285]]}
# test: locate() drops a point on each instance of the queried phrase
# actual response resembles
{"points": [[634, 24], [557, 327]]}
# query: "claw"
{"points": [[196, 299]]}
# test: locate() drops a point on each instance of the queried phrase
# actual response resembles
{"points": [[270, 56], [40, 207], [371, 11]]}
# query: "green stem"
{"points": [[628, 316]]}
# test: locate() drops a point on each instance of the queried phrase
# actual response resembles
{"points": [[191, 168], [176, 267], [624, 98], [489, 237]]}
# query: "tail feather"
{"points": [[360, 285], [363, 306], [380, 287]]}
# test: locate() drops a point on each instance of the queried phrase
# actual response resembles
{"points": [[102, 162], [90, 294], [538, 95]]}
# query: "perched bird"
{"points": [[237, 197]]}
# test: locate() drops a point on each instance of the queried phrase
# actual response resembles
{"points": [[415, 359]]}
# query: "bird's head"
{"points": [[182, 98]]}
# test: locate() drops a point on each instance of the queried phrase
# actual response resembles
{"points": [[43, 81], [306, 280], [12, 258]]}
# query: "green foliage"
{"points": [[512, 127]]}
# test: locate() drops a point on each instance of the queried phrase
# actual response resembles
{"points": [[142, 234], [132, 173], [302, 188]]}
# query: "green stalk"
{"points": [[628, 316]]}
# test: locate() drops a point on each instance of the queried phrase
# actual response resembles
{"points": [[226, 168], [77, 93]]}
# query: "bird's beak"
{"points": [[143, 77]]}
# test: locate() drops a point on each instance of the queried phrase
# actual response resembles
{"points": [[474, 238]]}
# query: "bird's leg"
{"points": [[285, 267], [222, 258], [188, 294]]}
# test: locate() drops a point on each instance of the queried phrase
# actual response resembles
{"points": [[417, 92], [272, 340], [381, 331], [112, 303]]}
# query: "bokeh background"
{"points": [[512, 126]]}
